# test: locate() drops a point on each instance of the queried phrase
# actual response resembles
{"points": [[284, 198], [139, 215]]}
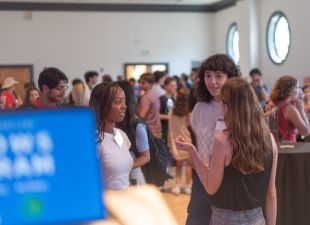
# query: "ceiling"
{"points": [[152, 2]]}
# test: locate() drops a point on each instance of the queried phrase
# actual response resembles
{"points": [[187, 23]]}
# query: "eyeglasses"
{"points": [[61, 88]]}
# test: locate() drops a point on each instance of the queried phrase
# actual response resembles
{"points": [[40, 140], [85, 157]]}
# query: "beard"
{"points": [[53, 98]]}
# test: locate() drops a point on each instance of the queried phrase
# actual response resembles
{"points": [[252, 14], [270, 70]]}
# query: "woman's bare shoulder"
{"points": [[221, 140], [223, 146], [221, 136]]}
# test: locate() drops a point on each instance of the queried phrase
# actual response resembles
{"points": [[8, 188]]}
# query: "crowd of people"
{"points": [[213, 121]]}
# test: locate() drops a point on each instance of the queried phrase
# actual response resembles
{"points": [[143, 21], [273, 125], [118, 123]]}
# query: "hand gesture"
{"points": [[269, 106], [299, 104], [182, 144]]}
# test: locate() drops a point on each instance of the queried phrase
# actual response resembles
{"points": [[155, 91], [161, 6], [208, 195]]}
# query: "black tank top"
{"points": [[243, 192]]}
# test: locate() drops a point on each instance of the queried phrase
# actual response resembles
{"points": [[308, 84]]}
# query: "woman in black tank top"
{"points": [[240, 177]]}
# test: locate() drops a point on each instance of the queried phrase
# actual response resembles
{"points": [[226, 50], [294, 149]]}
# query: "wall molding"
{"points": [[95, 7]]}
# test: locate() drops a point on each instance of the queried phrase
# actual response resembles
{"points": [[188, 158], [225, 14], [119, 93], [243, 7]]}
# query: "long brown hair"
{"points": [[181, 107], [101, 100], [246, 127]]}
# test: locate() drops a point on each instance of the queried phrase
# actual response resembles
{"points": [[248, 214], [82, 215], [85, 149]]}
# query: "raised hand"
{"points": [[182, 144]]}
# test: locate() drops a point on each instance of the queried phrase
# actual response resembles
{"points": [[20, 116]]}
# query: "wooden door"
{"points": [[22, 73]]}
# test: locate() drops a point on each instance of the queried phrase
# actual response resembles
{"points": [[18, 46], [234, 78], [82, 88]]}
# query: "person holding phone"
{"points": [[286, 95], [261, 89]]}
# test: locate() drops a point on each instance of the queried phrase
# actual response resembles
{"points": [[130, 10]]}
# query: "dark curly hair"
{"points": [[51, 77], [283, 88], [218, 62]]}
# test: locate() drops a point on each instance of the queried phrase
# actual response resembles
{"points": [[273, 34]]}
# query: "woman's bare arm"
{"points": [[297, 116], [271, 196], [210, 175]]}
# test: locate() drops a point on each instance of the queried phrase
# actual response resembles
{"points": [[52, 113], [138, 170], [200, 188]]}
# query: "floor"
{"points": [[178, 205], [123, 214]]}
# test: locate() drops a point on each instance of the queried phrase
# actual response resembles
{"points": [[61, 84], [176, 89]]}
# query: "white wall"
{"points": [[247, 24], [252, 17], [297, 63], [79, 41]]}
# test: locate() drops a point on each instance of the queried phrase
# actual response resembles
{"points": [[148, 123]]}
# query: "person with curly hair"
{"points": [[205, 120], [286, 95], [240, 175]]}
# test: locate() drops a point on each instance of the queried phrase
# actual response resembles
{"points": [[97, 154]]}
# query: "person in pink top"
{"points": [[292, 117], [149, 106]]}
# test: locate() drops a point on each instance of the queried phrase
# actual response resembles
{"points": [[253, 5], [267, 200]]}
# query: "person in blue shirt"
{"points": [[260, 88]]}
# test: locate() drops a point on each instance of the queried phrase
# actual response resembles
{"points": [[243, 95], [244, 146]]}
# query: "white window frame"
{"points": [[231, 51], [272, 50]]}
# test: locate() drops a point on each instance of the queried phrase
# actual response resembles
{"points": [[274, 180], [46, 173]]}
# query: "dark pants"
{"points": [[199, 208]]}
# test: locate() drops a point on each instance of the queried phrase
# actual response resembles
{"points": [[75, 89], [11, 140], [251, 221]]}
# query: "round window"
{"points": [[278, 37], [232, 43]]}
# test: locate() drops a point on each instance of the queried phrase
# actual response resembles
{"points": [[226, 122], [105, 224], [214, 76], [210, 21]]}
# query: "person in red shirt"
{"points": [[9, 100], [53, 86]]}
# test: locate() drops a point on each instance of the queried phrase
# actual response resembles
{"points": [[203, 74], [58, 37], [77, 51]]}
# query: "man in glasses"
{"points": [[53, 86]]}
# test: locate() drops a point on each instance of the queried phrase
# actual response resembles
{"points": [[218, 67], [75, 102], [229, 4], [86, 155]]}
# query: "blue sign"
{"points": [[49, 170]]}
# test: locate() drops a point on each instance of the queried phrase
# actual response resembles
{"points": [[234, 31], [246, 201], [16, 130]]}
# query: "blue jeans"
{"points": [[228, 217]]}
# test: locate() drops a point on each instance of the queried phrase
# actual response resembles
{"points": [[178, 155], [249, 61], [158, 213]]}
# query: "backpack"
{"points": [[155, 171], [272, 119]]}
